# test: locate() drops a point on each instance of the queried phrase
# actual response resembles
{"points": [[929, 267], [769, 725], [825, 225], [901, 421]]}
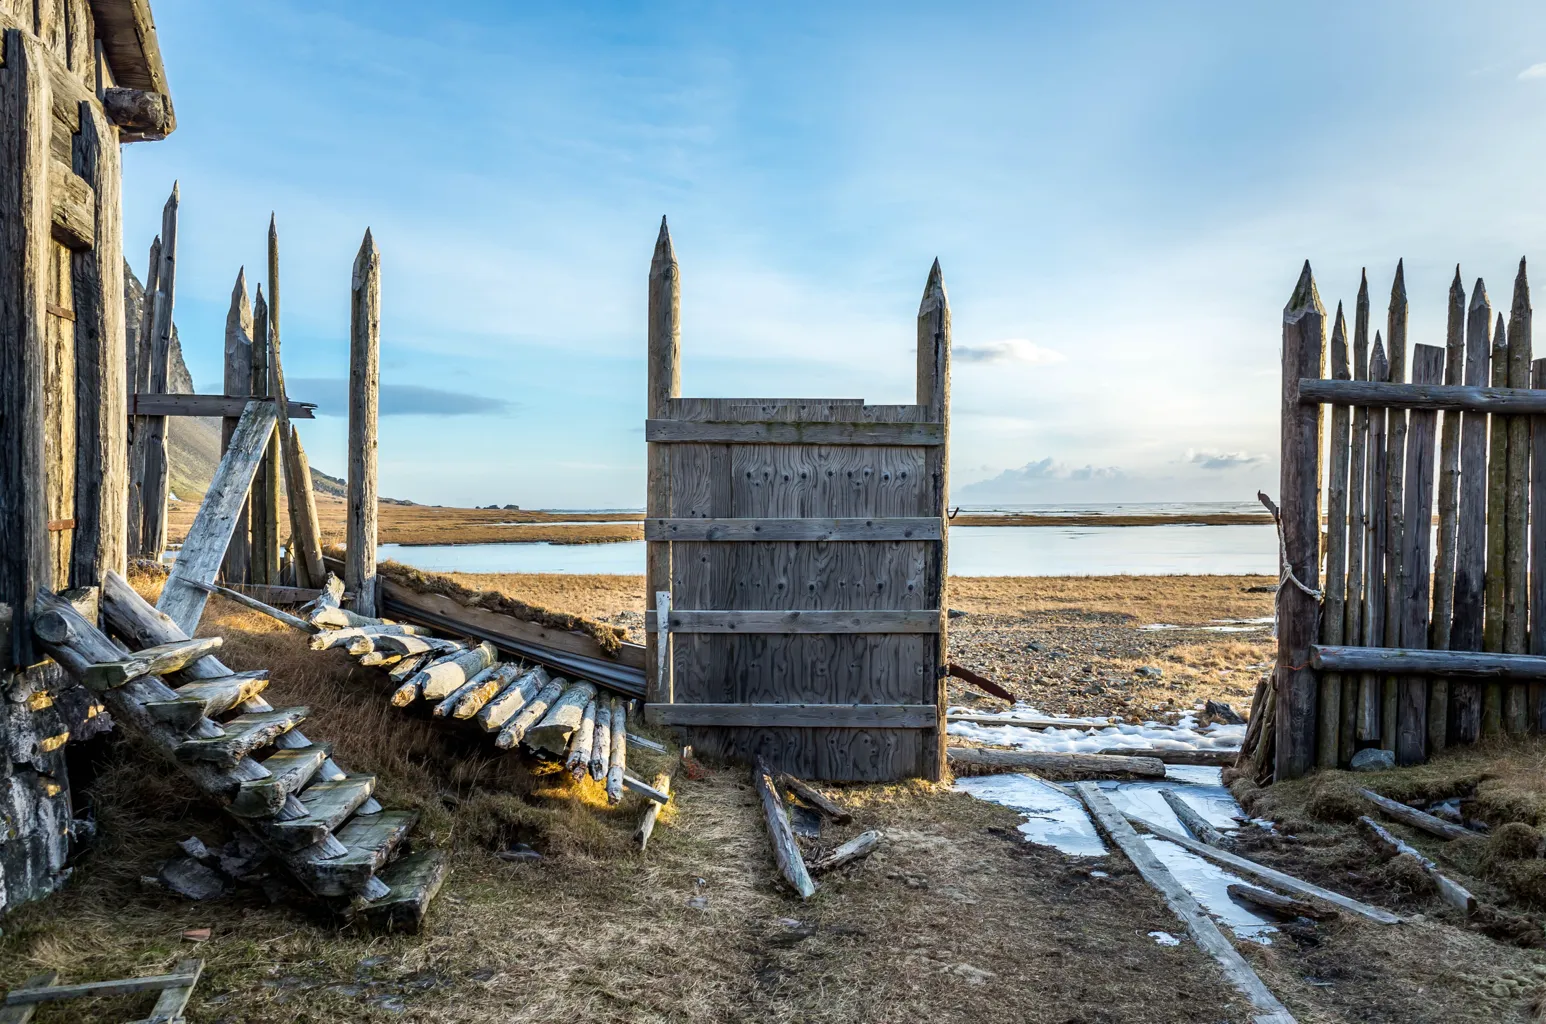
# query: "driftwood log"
{"points": [[435, 680], [488, 685], [1205, 758], [1077, 766], [552, 734], [450, 701], [578, 761], [646, 827], [340, 637], [860, 846], [619, 765], [601, 744], [1287, 906], [816, 799], [529, 715], [786, 850], [1193, 822], [515, 696], [1449, 891], [1415, 818]]}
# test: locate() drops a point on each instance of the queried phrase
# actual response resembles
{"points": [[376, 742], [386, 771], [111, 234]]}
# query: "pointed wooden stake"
{"points": [[933, 337], [1370, 687], [364, 382], [265, 487], [1358, 527], [665, 383], [1516, 600], [157, 467], [1497, 488], [1471, 532], [1328, 729], [238, 381], [1449, 497], [139, 384]]}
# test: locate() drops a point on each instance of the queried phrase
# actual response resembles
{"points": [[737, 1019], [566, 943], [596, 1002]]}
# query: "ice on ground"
{"points": [[1165, 938], [1215, 626], [1184, 735], [1056, 819]]}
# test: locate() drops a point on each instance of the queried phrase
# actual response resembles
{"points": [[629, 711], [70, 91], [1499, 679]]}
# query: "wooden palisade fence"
{"points": [[1391, 633], [796, 563]]}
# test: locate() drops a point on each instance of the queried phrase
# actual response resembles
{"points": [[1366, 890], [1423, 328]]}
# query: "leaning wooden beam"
{"points": [[515, 729], [364, 383], [817, 799], [857, 848], [1269, 875], [305, 536], [1415, 818], [199, 560], [1449, 891], [1406, 661], [1206, 758], [786, 849], [439, 678], [1499, 400], [256, 605], [1076, 766], [1357, 541], [641, 835], [1201, 927], [1200, 828], [157, 465]]}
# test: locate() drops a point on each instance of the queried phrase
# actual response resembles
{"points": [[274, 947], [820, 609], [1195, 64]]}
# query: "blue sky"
{"points": [[1120, 194]]}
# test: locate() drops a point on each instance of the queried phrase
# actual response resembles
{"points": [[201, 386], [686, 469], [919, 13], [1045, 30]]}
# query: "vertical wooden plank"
{"points": [[1471, 534], [1304, 353], [238, 381], [364, 382], [25, 241], [101, 470], [157, 468], [1329, 727], [1497, 486], [664, 384], [1416, 555], [934, 396], [1395, 504], [1449, 522], [1370, 686], [59, 415], [265, 488], [1538, 547], [305, 535], [139, 384], [1358, 525], [1516, 600]]}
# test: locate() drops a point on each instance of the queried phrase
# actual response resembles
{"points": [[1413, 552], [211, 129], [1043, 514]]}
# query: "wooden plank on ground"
{"points": [[746, 530], [769, 716], [875, 620], [1201, 927], [204, 549], [660, 431]]}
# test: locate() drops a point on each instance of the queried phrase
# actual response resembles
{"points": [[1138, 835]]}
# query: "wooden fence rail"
{"points": [[1392, 634]]}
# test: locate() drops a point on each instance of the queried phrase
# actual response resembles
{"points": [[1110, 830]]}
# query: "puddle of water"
{"points": [[1055, 819]]}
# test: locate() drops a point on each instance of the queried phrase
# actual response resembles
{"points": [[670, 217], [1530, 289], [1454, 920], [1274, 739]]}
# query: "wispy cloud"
{"points": [[1009, 350], [1221, 460], [1533, 71], [332, 397]]}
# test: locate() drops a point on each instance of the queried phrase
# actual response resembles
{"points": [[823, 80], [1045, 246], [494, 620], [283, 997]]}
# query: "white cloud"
{"points": [[1533, 71], [1009, 350], [1221, 460]]}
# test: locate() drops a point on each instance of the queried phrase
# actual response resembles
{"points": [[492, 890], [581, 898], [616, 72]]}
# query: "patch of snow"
{"points": [[1165, 938], [1100, 874], [1184, 735], [1052, 817]]}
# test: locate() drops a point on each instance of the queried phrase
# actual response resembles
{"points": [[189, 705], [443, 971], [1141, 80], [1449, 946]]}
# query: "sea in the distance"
{"points": [[1158, 550]]}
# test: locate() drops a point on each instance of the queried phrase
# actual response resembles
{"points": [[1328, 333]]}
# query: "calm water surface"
{"points": [[974, 551]]}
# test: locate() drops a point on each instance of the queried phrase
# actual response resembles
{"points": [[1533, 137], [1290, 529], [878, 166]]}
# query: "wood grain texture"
{"points": [[743, 530], [264, 511], [1465, 717], [1497, 487], [1447, 537], [1516, 599], [1358, 526], [1329, 707], [663, 386], [139, 382], [1416, 557], [1304, 348], [101, 429], [238, 381], [25, 247], [1538, 546], [157, 466], [1414, 661], [364, 405], [787, 433], [305, 535], [780, 716], [869, 621], [1369, 687], [204, 549]]}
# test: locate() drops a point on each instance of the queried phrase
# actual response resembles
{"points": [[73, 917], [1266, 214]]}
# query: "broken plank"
{"points": [[225, 406], [289, 770], [413, 881], [1183, 904], [152, 661], [1205, 758], [174, 998], [1200, 828], [1284, 905], [22, 1014], [1415, 818], [860, 846], [817, 799], [243, 734], [207, 698], [786, 850], [646, 827], [1450, 891]]}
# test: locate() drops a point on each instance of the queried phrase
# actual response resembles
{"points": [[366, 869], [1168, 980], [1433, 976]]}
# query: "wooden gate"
{"points": [[796, 556]]}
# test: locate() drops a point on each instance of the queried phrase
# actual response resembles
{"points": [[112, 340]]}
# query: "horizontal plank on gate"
{"points": [[1407, 661], [205, 405], [901, 528], [777, 716], [864, 621], [810, 432], [1458, 397]]}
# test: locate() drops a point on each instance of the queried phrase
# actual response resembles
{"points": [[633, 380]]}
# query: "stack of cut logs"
{"points": [[572, 721]]}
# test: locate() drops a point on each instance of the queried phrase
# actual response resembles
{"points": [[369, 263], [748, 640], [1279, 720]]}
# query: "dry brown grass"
{"points": [[1189, 600]]}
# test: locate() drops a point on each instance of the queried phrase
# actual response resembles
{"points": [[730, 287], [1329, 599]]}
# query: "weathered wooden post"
{"points": [[1396, 571], [1370, 686], [1412, 694], [364, 383], [1329, 729], [1516, 601], [305, 538], [25, 248], [1353, 611], [265, 487], [1304, 348], [1471, 534], [139, 384], [238, 381], [934, 398], [664, 384], [101, 472], [1449, 517], [1497, 533], [1538, 547], [157, 467]]}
